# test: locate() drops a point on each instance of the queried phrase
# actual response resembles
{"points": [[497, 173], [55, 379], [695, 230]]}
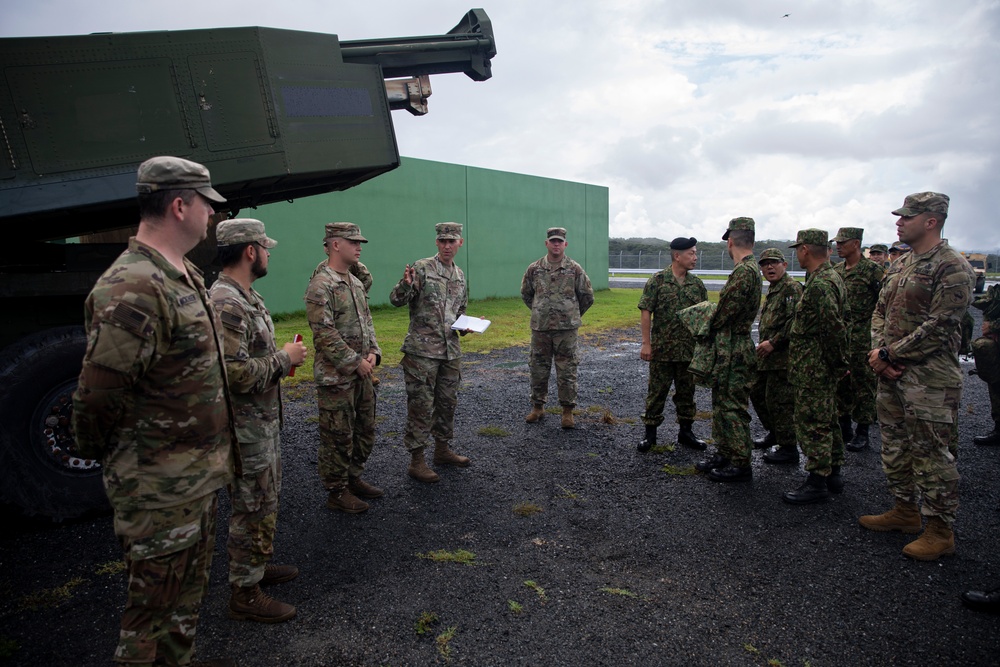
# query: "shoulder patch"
{"points": [[230, 319], [130, 318]]}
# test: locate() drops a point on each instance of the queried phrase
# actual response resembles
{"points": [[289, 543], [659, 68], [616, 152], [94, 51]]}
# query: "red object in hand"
{"points": [[295, 339]]}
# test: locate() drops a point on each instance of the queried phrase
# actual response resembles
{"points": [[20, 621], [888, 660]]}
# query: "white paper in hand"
{"points": [[477, 324]]}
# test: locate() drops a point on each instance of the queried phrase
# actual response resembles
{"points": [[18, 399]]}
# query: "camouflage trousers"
{"points": [[661, 375], [856, 392], [431, 398], [254, 498], [168, 553], [731, 421], [560, 346], [987, 357], [774, 401], [346, 431], [816, 428], [918, 444]]}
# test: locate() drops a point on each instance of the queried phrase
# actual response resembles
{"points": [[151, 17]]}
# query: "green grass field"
{"points": [[612, 309]]}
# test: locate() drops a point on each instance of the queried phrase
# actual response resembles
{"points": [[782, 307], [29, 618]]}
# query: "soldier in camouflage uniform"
{"points": [[346, 353], [916, 336], [817, 361], [772, 396], [879, 253], [152, 405], [856, 393], [558, 292], [736, 359], [435, 291], [987, 357], [668, 345], [255, 367]]}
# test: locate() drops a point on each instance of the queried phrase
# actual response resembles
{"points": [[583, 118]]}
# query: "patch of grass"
{"points": [[606, 390], [595, 408], [458, 556], [111, 567], [424, 622], [390, 434], [443, 642], [703, 415], [663, 449], [493, 432], [312, 419], [629, 420], [569, 495], [8, 647], [539, 591], [678, 470], [526, 509], [380, 418], [554, 410], [592, 455], [623, 592], [50, 597], [515, 606], [751, 649], [774, 662], [608, 417]]}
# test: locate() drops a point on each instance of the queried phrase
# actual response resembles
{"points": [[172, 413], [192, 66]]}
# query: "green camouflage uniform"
{"points": [[343, 336], [152, 405], [817, 356], [987, 348], [918, 318], [772, 395], [735, 361], [671, 344], [255, 367], [856, 392], [432, 365], [558, 295]]}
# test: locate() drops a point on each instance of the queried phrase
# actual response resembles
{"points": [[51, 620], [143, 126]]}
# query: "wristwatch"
{"points": [[883, 353]]}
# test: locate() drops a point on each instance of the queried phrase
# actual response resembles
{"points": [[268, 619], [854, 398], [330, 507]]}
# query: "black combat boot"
{"points": [[991, 438], [782, 455], [731, 473], [767, 441], [846, 430], [860, 440], [985, 601], [687, 437], [812, 491], [708, 465], [649, 441], [835, 482]]}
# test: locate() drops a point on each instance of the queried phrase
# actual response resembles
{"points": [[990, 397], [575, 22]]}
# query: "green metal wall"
{"points": [[505, 217]]}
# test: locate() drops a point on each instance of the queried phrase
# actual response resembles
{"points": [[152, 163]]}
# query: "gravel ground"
{"points": [[639, 566]]}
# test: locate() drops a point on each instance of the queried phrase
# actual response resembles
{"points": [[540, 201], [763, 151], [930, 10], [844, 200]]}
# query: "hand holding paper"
{"points": [[466, 323]]}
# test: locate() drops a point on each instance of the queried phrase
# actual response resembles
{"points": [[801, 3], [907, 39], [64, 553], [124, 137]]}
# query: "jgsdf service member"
{"points": [[346, 354], [879, 253], [856, 394], [152, 405], [772, 396], [817, 363], [255, 367], [987, 357], [916, 333], [736, 360], [558, 292], [668, 345], [434, 289]]}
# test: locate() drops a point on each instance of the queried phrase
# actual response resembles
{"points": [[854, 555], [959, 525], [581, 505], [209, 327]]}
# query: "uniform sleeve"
{"points": [[528, 287], [647, 301], [247, 375], [361, 272], [732, 299], [402, 294], [951, 298], [584, 291], [878, 317], [321, 305], [782, 336]]}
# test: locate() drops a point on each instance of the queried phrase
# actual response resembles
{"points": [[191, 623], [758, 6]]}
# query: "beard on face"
{"points": [[257, 269]]}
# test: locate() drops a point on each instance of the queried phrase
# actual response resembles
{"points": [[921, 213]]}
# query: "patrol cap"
{"points": [[448, 230], [242, 230], [553, 233], [771, 254], [899, 247], [681, 243], [923, 202], [849, 233], [738, 223], [811, 237], [879, 247], [174, 173], [344, 230]]}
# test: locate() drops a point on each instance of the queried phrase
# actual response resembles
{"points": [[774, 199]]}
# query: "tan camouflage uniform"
{"points": [[558, 295], [432, 352], [152, 405]]}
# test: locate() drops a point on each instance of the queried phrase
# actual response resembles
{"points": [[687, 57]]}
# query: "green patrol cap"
{"points": [[923, 202], [556, 233], [344, 230], [879, 247], [771, 254], [242, 230], [448, 230], [811, 237], [174, 173], [849, 233], [738, 223]]}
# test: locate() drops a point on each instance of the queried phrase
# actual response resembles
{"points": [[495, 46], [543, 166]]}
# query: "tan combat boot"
{"points": [[937, 540], [249, 603], [363, 489], [444, 456], [418, 469], [904, 517], [343, 500], [536, 414], [567, 418]]}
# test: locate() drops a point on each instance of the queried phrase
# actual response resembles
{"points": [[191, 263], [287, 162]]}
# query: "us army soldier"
{"points": [[558, 292]]}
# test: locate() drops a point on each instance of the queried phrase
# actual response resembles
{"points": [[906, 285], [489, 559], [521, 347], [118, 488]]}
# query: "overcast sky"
{"points": [[690, 111]]}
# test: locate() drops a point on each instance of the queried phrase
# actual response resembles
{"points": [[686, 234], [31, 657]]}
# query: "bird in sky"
{"points": [[786, 16]]}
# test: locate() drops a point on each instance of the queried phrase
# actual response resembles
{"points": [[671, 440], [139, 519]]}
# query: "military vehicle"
{"points": [[274, 114], [980, 263]]}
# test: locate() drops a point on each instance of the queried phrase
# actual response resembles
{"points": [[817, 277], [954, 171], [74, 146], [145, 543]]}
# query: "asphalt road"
{"points": [[638, 566]]}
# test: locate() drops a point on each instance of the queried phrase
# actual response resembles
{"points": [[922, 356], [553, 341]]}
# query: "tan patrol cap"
{"points": [[344, 230], [174, 173], [242, 230], [448, 231]]}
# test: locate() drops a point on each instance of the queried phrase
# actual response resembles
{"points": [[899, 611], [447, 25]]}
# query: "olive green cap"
{"points": [[739, 223], [879, 247], [811, 237], [771, 254], [849, 234]]}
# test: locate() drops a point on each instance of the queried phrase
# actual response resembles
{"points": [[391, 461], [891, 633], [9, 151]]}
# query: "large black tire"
{"points": [[39, 471]]}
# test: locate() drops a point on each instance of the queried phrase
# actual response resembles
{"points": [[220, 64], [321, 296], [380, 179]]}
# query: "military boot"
{"points": [[990, 439], [249, 603], [937, 540], [861, 440], [444, 456], [215, 662], [418, 469], [536, 414], [363, 489], [812, 491], [686, 436], [649, 441], [904, 517], [835, 482], [342, 500], [768, 440], [567, 417], [715, 461], [278, 574], [781, 455], [846, 429], [986, 601]]}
